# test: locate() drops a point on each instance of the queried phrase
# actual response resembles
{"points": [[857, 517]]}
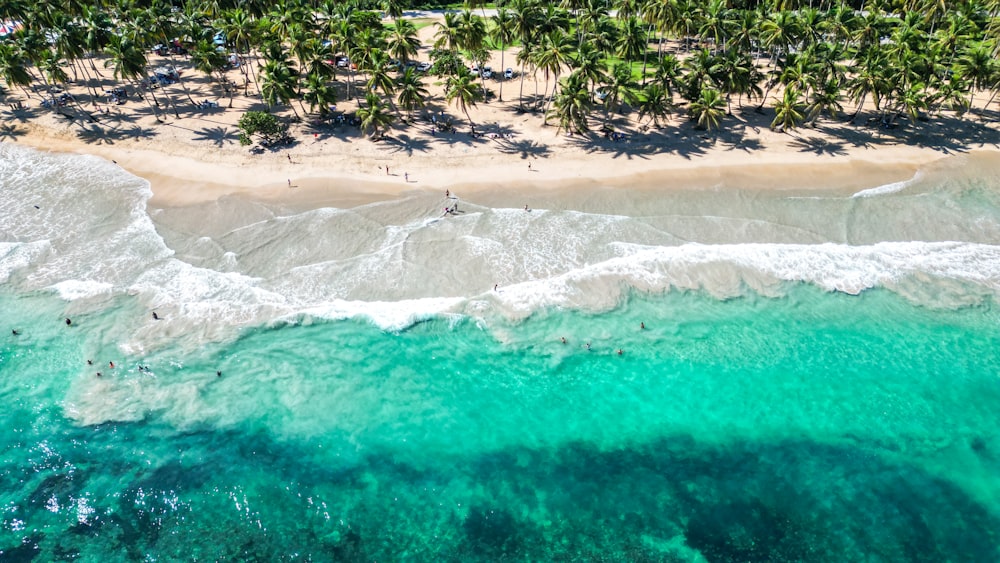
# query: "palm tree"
{"points": [[13, 69], [554, 54], [632, 41], [588, 63], [526, 56], [412, 93], [449, 33], [403, 43], [378, 73], [502, 32], [977, 65], [716, 24], [96, 31], [319, 94], [653, 102], [279, 78], [463, 90], [375, 117], [779, 31], [241, 31], [128, 62], [620, 88], [708, 109], [787, 110], [825, 99], [572, 107]]}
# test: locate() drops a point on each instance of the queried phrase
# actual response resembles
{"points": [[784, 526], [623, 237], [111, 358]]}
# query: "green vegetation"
{"points": [[900, 59], [261, 126]]}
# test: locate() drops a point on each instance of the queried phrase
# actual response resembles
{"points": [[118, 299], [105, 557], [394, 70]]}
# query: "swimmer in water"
{"points": [[620, 351], [642, 326], [155, 316], [218, 374], [90, 362], [563, 338], [15, 332], [68, 322], [111, 365]]}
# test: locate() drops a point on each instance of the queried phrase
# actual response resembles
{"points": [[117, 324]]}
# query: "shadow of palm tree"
{"points": [[819, 145], [10, 132], [524, 147], [220, 136], [406, 144], [23, 115], [633, 147], [97, 135]]}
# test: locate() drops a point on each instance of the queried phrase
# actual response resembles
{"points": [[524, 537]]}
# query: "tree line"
{"points": [[802, 59]]}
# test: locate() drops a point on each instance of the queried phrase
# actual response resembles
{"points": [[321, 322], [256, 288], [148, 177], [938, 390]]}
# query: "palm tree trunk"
{"points": [[186, 91], [857, 112], [503, 52], [520, 95], [645, 53], [156, 112]]}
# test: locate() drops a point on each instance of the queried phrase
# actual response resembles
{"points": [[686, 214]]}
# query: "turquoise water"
{"points": [[758, 416]]}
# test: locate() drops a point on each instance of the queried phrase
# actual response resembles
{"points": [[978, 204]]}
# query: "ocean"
{"points": [[626, 374]]}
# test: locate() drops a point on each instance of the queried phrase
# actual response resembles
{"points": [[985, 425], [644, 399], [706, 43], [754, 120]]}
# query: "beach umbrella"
{"points": [[9, 27]]}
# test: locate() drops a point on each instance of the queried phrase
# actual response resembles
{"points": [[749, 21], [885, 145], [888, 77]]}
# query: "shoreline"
{"points": [[181, 175]]}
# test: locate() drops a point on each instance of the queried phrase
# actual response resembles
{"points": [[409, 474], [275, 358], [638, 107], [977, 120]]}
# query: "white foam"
{"points": [[889, 188], [81, 289], [727, 270], [389, 315], [16, 256]]}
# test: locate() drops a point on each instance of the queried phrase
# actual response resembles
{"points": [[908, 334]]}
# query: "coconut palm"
{"points": [[653, 102], [788, 110], [319, 94], [463, 90], [128, 63], [554, 54], [977, 65], [472, 31], [502, 32], [279, 79], [411, 92], [572, 106], [13, 69], [620, 88], [449, 33], [402, 43], [825, 99], [378, 73], [588, 63], [375, 117], [631, 43], [708, 109], [241, 32]]}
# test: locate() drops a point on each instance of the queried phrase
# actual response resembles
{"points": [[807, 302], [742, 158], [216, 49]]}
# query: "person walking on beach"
{"points": [[529, 165], [406, 177], [289, 182]]}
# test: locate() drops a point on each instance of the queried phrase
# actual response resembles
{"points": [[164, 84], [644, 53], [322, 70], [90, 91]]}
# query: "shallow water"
{"points": [[816, 379]]}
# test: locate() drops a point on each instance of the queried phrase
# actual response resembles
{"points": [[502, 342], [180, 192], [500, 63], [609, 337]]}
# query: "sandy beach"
{"points": [[197, 157]]}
